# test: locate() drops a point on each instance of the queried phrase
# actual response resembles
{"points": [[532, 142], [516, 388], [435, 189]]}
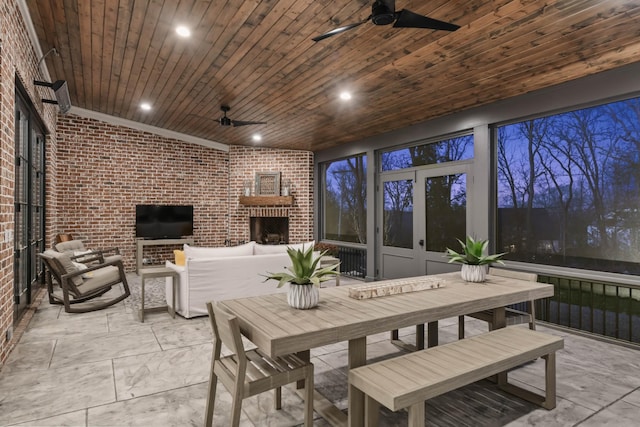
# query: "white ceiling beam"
{"points": [[117, 121]]}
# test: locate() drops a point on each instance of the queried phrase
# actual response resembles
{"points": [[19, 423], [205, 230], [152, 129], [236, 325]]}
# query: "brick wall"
{"points": [[18, 60], [293, 165], [105, 170]]}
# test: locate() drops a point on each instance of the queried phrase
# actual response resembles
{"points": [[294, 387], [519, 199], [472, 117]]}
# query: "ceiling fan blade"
{"points": [[237, 123], [408, 19], [339, 30]]}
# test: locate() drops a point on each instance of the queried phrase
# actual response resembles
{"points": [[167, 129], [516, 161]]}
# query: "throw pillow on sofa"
{"points": [[179, 255], [203, 252]]}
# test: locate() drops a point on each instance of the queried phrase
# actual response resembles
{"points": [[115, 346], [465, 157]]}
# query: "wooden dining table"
{"points": [[278, 329]]}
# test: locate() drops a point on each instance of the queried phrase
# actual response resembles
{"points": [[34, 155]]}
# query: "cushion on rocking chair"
{"points": [[99, 278], [66, 263], [76, 248]]}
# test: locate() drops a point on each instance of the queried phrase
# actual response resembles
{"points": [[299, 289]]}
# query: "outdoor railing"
{"points": [[353, 261], [608, 309]]}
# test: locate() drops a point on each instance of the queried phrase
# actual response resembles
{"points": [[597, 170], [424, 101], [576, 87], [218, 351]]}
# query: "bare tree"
{"points": [[557, 160], [583, 168], [625, 175], [507, 163], [350, 194], [397, 200], [592, 151]]}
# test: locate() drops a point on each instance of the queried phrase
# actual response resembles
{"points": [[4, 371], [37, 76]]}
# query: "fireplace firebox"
{"points": [[270, 230]]}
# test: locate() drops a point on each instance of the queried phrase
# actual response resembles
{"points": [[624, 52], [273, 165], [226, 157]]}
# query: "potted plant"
{"points": [[304, 277], [474, 262]]}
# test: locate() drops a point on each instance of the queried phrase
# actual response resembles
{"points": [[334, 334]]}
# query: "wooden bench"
{"points": [[407, 381]]}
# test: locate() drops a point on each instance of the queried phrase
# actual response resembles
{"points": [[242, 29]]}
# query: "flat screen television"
{"points": [[164, 221]]}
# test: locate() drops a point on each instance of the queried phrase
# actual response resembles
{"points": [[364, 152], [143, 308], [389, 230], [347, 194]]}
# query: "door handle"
{"points": [[421, 242]]}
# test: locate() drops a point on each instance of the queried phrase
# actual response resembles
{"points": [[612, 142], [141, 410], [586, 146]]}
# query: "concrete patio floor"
{"points": [[106, 368]]}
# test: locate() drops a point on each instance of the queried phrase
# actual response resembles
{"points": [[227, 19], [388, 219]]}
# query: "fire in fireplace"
{"points": [[270, 230]]}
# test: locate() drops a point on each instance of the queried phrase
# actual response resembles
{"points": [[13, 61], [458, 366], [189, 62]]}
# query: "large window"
{"points": [[345, 200], [568, 189]]}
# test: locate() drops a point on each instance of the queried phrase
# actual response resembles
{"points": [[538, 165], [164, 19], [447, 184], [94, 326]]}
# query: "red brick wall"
{"points": [[17, 60], [6, 191], [293, 165], [105, 170]]}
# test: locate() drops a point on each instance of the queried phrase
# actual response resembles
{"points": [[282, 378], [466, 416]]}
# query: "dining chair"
{"points": [[513, 316], [247, 373]]}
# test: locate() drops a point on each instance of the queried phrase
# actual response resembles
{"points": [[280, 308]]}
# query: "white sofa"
{"points": [[214, 274]]}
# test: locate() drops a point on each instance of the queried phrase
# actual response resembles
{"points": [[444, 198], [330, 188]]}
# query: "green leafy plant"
{"points": [[304, 269], [473, 253]]}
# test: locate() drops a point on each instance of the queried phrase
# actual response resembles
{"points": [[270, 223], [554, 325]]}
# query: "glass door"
{"points": [[395, 229], [443, 217], [421, 213], [29, 205]]}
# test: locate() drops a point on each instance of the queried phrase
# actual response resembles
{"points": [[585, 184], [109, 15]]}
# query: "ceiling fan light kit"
{"points": [[383, 12]]}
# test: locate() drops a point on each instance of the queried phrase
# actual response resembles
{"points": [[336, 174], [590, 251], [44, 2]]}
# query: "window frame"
{"points": [[322, 225], [549, 269], [425, 141]]}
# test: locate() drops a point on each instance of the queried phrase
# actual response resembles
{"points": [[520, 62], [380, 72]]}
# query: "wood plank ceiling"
{"points": [[257, 56]]}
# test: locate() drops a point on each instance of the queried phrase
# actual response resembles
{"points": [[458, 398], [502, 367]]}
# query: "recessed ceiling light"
{"points": [[183, 31], [145, 106], [345, 96], [257, 137]]}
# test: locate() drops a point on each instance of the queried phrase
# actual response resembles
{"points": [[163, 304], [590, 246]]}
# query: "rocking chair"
{"points": [[77, 252], [80, 285]]}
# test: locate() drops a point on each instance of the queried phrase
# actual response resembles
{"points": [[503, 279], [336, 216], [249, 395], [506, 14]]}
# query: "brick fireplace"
{"points": [[269, 230], [269, 226], [295, 166]]}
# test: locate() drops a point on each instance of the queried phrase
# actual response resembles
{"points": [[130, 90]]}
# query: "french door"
{"points": [[421, 213], [29, 204]]}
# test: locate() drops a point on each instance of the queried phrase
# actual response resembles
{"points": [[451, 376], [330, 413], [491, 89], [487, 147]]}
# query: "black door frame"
{"points": [[30, 207]]}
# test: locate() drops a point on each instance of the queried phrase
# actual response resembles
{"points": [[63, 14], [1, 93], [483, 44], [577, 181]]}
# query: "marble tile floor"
{"points": [[108, 369]]}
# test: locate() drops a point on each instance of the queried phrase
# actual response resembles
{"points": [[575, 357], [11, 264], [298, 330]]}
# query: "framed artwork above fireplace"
{"points": [[267, 183]]}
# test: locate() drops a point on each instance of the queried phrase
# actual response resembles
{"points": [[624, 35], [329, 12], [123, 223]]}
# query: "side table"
{"points": [[327, 261], [142, 243], [157, 272]]}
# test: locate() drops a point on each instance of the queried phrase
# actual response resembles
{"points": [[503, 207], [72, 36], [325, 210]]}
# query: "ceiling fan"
{"points": [[226, 121], [383, 12]]}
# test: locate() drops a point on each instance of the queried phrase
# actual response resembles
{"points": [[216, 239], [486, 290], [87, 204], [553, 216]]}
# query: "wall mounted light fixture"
{"points": [[62, 94]]}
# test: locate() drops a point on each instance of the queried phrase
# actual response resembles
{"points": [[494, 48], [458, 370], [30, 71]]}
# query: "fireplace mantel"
{"points": [[266, 200]]}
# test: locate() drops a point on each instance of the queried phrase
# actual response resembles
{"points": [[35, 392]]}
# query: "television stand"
{"points": [[141, 243]]}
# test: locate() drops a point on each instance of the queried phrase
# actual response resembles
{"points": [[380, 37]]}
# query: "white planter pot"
{"points": [[473, 273], [303, 296]]}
